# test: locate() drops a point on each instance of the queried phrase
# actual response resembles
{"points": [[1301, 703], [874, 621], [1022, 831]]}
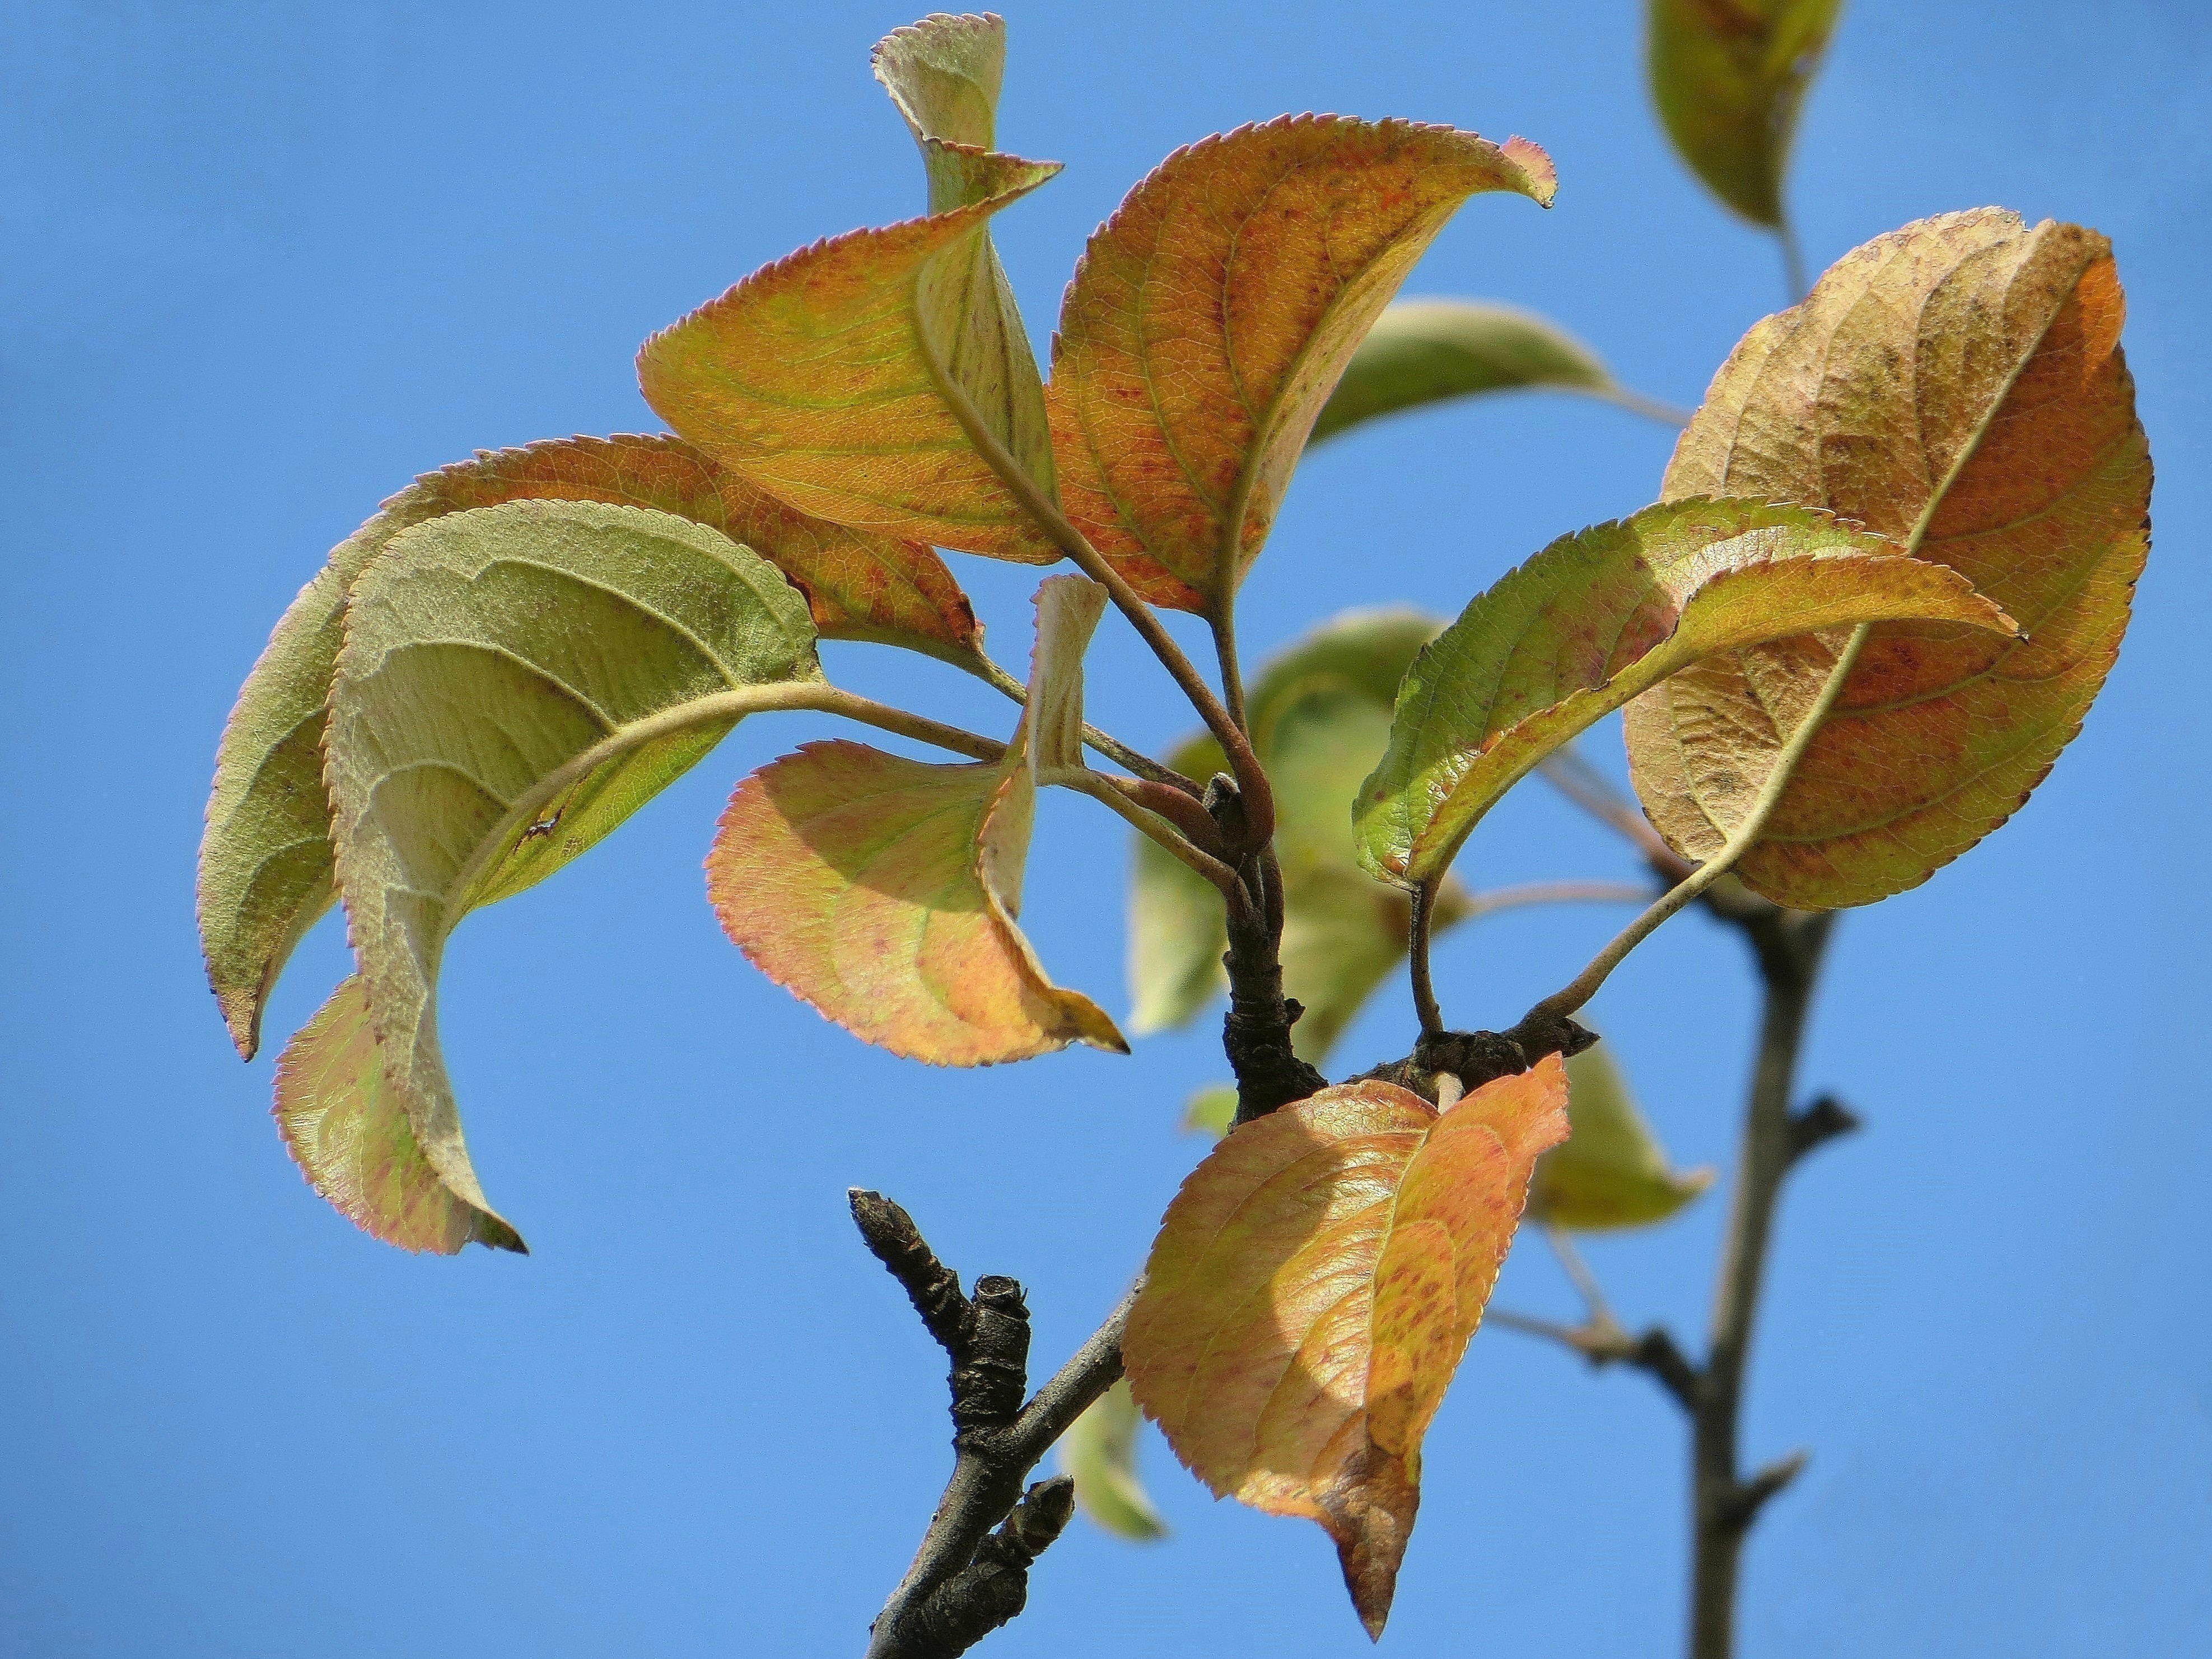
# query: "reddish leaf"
{"points": [[1312, 1289]]}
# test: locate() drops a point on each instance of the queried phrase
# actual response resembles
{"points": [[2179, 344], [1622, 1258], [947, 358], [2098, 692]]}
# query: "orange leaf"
{"points": [[1212, 315], [1312, 1289], [883, 891], [839, 380], [1957, 386]]}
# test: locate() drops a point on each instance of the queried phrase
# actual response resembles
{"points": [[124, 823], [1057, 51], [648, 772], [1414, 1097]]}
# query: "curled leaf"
{"points": [[1312, 1289], [1099, 1452], [352, 1139], [1597, 618], [884, 891], [1729, 77], [515, 681], [873, 381], [1212, 314], [1611, 1172], [1424, 351], [265, 859], [1957, 385]]}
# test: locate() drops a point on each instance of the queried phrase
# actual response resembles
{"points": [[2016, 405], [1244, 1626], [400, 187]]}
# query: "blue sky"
{"points": [[267, 261]]}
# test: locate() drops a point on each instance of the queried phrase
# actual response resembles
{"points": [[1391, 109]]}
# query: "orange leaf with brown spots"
{"points": [[1212, 315], [1312, 1289]]}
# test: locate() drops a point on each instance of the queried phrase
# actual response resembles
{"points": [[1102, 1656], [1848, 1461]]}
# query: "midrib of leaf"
{"points": [[732, 704], [2004, 394]]}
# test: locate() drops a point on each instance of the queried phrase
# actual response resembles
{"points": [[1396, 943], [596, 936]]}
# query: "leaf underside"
{"points": [[1312, 1289], [515, 681], [1957, 385], [265, 861], [1426, 351]]}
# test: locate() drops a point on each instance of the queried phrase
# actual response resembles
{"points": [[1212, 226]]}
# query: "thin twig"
{"points": [[1584, 784], [1578, 1273], [1603, 1343], [1793, 260], [966, 1579]]}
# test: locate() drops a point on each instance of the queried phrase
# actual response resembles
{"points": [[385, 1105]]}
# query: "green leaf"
{"points": [[1100, 1451], [1424, 352], [1211, 1110], [516, 681], [1611, 1172], [265, 860], [1729, 77], [1598, 617], [1320, 717]]}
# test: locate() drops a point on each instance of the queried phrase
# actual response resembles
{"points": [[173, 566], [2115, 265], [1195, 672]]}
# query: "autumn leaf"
{"points": [[1312, 1289], [884, 891], [1099, 1452], [1729, 77], [1597, 618], [351, 1137], [879, 380], [265, 859], [1320, 716], [1611, 1172], [1426, 351], [1212, 314], [1958, 386], [515, 681]]}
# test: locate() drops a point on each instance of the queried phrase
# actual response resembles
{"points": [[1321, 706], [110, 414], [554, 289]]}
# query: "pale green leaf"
{"points": [[1099, 1450], [1611, 1172], [1211, 1110], [1424, 352], [515, 681], [1598, 617]]}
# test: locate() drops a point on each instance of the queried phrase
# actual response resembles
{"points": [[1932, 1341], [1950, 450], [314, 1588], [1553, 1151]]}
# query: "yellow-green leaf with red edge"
{"points": [[515, 681], [264, 874], [1729, 77], [1598, 617], [1611, 1172], [1312, 1289], [352, 1139], [1957, 385], [1212, 314], [884, 891], [850, 380]]}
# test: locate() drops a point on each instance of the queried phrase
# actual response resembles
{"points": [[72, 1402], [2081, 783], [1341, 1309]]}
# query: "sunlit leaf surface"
{"points": [[1957, 385]]}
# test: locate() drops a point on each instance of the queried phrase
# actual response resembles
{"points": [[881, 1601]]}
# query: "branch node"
{"points": [[990, 1368], [1822, 1121], [993, 1588], [1740, 1505], [1479, 1057]]}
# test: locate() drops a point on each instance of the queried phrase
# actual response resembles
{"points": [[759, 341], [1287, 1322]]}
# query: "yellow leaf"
{"points": [[1312, 1289], [1210, 319], [1957, 386]]}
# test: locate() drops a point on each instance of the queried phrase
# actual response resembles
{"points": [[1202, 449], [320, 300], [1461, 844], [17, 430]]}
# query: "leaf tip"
{"points": [[1535, 162]]}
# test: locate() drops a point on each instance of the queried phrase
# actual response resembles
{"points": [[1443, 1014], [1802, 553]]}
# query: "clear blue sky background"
{"points": [[267, 261]]}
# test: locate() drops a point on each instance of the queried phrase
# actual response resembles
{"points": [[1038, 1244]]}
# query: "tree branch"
{"points": [[967, 1578], [1723, 1504], [1602, 1343]]}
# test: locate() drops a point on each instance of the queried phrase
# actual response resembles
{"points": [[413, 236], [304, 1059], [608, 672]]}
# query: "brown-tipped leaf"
{"points": [[1312, 1289]]}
